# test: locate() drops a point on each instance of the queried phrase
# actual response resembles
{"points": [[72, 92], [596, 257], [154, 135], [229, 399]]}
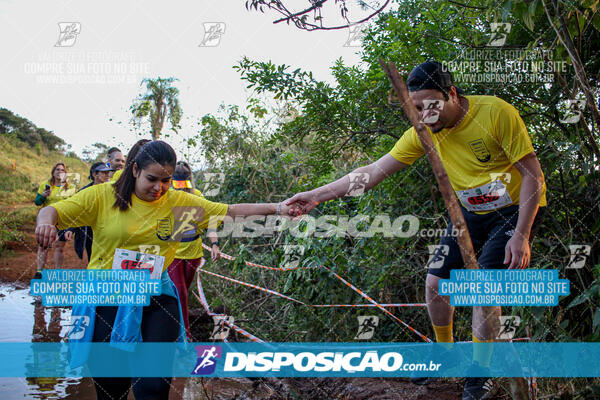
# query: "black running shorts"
{"points": [[489, 232]]}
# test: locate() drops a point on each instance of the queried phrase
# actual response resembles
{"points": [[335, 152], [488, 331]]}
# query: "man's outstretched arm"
{"points": [[375, 173]]}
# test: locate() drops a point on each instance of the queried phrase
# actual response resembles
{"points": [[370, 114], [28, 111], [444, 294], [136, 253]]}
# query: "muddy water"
{"points": [[22, 320]]}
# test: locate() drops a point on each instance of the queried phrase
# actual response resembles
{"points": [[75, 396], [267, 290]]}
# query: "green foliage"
{"points": [[26, 131], [342, 125], [12, 223]]}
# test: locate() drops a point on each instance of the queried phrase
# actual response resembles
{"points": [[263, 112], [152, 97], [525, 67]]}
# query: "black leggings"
{"points": [[160, 323]]}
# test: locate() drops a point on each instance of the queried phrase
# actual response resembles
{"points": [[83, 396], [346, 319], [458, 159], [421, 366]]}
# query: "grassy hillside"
{"points": [[33, 165]]}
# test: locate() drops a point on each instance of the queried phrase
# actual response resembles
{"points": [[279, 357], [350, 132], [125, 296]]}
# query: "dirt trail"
{"points": [[18, 264]]}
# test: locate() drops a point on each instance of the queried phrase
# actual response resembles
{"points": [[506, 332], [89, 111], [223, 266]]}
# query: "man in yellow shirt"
{"points": [[487, 153]]}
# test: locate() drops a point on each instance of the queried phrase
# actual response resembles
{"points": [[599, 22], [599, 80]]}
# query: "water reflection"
{"points": [[25, 320]]}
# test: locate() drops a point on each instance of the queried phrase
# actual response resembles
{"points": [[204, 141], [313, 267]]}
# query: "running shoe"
{"points": [[479, 388]]}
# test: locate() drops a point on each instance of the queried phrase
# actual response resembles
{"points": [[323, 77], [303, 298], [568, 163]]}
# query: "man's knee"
{"points": [[431, 284]]}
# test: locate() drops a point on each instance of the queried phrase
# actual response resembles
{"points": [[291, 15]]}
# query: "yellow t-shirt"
{"points": [[477, 154], [191, 249], [57, 193], [116, 175], [147, 227]]}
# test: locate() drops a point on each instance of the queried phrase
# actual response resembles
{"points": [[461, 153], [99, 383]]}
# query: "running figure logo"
{"points": [[500, 31], [355, 36], [431, 110], [68, 34], [221, 328], [437, 254], [212, 34], [572, 111], [292, 255], [366, 326], [579, 253], [207, 359], [212, 183], [78, 325], [358, 183], [186, 226], [150, 249], [508, 326], [498, 182]]}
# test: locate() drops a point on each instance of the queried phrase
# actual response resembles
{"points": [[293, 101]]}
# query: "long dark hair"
{"points": [[142, 154]]}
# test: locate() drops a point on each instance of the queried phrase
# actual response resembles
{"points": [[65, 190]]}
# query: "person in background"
{"points": [[189, 254], [83, 236], [116, 161], [50, 192], [130, 158]]}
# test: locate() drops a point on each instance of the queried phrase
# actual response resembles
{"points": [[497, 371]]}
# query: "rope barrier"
{"points": [[362, 294], [202, 299], [252, 286], [373, 303], [425, 338]]}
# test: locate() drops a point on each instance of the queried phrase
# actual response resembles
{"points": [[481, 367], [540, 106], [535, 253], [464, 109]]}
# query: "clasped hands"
{"points": [[299, 204]]}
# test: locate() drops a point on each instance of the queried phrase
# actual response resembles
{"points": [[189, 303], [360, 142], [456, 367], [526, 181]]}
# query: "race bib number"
{"points": [[129, 259], [485, 198]]}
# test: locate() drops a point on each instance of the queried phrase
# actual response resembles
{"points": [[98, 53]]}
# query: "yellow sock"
{"points": [[482, 351], [443, 334]]}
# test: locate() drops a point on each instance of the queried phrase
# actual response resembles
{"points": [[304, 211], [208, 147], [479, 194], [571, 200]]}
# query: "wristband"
{"points": [[278, 211], [215, 243]]}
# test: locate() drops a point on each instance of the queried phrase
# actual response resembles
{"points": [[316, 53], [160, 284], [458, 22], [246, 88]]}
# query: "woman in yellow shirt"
{"points": [[51, 191], [139, 214]]}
